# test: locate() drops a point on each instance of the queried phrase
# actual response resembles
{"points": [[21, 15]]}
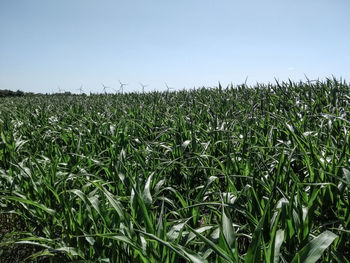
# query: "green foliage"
{"points": [[10, 93], [234, 174]]}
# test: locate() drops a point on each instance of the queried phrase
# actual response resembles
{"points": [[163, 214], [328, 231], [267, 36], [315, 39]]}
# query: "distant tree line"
{"points": [[19, 93], [10, 93]]}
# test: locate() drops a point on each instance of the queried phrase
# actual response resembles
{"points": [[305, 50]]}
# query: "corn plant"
{"points": [[235, 174]]}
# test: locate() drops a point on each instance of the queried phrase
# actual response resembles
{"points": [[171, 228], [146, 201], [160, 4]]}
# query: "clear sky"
{"points": [[68, 43]]}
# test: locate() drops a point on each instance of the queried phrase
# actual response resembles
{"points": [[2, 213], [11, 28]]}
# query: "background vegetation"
{"points": [[232, 174], [10, 93]]}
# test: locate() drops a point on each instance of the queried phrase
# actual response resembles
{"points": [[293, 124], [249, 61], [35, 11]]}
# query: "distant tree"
{"points": [[10, 93]]}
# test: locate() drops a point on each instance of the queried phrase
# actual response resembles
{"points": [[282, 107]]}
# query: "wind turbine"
{"points": [[81, 89], [104, 88], [167, 87], [309, 81], [245, 82], [60, 90], [143, 86], [122, 86]]}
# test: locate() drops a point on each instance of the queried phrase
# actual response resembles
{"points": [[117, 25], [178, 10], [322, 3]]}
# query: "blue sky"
{"points": [[68, 43]]}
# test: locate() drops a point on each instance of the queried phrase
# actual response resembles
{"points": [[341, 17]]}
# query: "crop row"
{"points": [[235, 174]]}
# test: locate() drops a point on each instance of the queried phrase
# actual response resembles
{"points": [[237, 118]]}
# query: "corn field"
{"points": [[235, 174]]}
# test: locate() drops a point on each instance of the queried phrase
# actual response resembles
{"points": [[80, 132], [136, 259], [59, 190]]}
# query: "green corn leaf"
{"points": [[312, 251], [179, 250], [254, 251], [213, 246], [146, 196], [30, 202]]}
